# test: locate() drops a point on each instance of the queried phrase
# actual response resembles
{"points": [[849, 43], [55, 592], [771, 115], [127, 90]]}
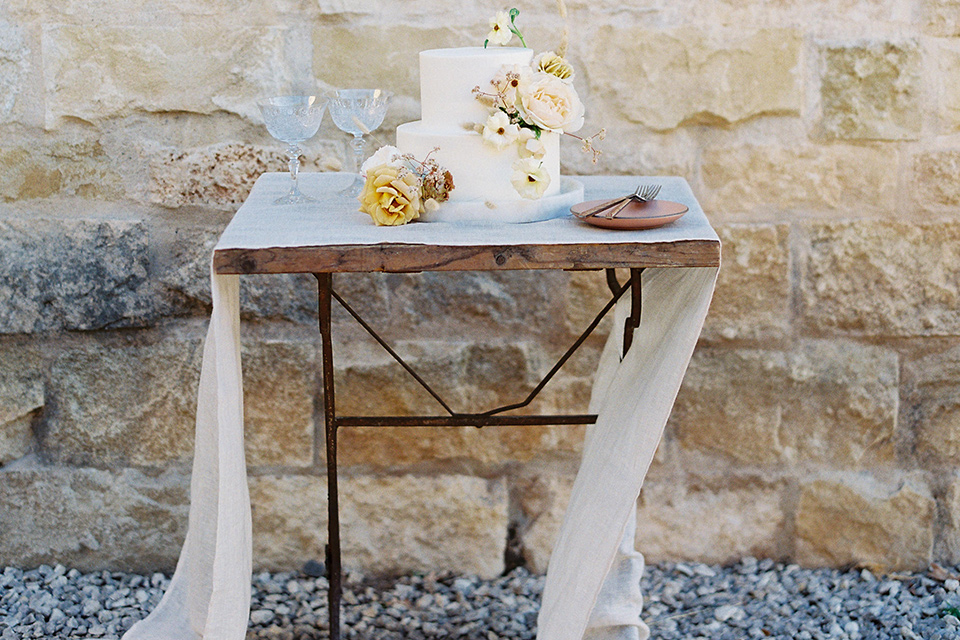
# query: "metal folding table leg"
{"points": [[325, 282], [331, 422]]}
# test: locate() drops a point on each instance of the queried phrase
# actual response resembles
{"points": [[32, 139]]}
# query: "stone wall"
{"points": [[819, 421]]}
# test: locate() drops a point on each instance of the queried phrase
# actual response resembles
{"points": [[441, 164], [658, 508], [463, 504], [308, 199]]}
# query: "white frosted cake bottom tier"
{"points": [[569, 192], [481, 172]]}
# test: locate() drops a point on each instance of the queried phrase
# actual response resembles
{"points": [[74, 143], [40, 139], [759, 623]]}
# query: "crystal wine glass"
{"points": [[358, 111], [293, 119]]}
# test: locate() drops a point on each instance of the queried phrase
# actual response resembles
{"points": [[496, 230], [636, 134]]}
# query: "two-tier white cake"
{"points": [[481, 173]]}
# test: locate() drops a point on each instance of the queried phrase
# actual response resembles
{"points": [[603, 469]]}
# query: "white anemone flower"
{"points": [[499, 131], [530, 145], [530, 178], [500, 33]]}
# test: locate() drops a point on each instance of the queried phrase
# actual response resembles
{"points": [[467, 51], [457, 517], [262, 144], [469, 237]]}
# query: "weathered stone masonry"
{"points": [[819, 421]]}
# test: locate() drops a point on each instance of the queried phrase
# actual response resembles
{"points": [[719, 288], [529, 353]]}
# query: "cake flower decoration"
{"points": [[555, 65], [398, 187], [547, 102], [499, 131], [527, 101], [502, 28], [531, 146], [530, 178]]}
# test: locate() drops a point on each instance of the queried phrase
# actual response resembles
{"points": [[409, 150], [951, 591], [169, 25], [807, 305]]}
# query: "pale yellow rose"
{"points": [[530, 178], [550, 103], [391, 195], [550, 62]]}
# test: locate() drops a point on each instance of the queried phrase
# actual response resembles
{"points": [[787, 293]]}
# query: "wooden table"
{"points": [[334, 238]]}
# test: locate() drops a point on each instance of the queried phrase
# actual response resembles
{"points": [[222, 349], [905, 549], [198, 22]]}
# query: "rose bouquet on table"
{"points": [[526, 101], [398, 187]]}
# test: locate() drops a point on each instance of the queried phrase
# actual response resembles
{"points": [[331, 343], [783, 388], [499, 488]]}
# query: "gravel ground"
{"points": [[684, 601]]}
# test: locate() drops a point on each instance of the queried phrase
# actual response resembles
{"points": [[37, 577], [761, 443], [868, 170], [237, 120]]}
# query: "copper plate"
{"points": [[636, 215]]}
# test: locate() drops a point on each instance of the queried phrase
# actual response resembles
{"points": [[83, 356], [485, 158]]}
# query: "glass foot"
{"points": [[294, 197], [355, 187]]}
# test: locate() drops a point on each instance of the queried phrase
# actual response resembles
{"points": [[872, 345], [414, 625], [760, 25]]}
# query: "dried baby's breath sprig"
{"points": [[436, 182], [503, 95], [586, 145]]}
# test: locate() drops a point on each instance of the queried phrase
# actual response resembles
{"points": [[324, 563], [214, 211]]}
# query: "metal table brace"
{"points": [[454, 419]]}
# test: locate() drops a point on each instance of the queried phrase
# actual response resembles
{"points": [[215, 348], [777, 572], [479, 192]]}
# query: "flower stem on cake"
{"points": [[503, 28], [398, 187]]}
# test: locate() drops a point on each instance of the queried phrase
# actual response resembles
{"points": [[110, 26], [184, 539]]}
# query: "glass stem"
{"points": [[357, 143], [294, 153]]}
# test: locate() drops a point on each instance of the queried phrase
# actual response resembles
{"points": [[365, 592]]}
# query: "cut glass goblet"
{"points": [[293, 120], [358, 111]]}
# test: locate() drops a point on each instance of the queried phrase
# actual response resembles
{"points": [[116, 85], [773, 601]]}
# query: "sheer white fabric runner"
{"points": [[600, 598], [592, 588], [209, 595]]}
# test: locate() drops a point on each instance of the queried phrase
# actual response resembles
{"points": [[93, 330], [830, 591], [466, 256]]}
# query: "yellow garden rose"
{"points": [[550, 62], [391, 195]]}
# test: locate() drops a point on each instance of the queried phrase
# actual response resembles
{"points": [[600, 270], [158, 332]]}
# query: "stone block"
{"points": [[826, 403], [470, 378], [279, 385], [14, 67], [752, 298], [948, 547], [674, 521], [21, 399], [586, 294], [872, 90], [717, 526], [941, 18], [388, 525], [491, 305], [409, 8], [345, 51], [73, 164], [934, 179], [628, 150], [752, 180], [224, 13], [73, 275], [861, 520], [99, 72], [186, 278], [931, 406], [948, 75], [92, 520], [881, 278], [221, 175], [136, 405], [702, 77], [130, 405]]}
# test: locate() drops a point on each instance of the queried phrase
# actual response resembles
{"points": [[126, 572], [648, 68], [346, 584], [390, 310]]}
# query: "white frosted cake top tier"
{"points": [[448, 76]]}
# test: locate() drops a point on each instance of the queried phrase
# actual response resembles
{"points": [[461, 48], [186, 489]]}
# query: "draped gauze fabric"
{"points": [[592, 589], [209, 595]]}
